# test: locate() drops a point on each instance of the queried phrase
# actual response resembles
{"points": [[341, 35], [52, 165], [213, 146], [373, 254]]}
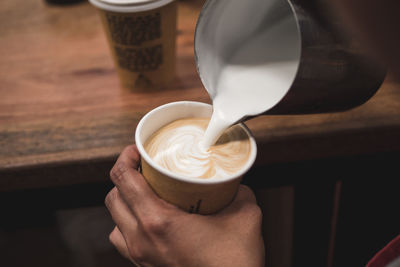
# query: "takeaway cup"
{"points": [[141, 35], [195, 195]]}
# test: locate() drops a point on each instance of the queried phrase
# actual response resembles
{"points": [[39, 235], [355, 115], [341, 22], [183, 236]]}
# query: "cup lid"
{"points": [[127, 6], [127, 2]]}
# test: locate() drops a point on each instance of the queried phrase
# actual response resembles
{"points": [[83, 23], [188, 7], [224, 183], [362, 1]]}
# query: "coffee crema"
{"points": [[178, 148]]}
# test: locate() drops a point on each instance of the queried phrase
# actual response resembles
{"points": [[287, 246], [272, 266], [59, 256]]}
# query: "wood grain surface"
{"points": [[64, 117]]}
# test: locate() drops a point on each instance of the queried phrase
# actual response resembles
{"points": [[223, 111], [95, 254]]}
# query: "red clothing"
{"points": [[386, 255]]}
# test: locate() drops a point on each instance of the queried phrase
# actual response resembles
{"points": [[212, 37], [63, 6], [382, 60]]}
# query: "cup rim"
{"points": [[183, 178], [129, 6]]}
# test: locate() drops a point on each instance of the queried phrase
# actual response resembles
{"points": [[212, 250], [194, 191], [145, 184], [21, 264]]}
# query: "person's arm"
{"points": [[152, 232]]}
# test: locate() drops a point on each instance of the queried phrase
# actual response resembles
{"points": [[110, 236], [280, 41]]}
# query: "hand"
{"points": [[151, 232]]}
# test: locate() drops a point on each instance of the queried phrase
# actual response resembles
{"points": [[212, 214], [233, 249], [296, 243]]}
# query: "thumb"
{"points": [[244, 200]]}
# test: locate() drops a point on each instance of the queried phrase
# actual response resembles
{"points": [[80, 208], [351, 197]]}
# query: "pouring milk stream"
{"points": [[254, 78]]}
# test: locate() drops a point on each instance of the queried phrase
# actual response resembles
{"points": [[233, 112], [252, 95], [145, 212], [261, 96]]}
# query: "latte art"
{"points": [[177, 147]]}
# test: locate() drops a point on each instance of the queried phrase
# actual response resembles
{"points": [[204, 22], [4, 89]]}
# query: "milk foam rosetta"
{"points": [[177, 147]]}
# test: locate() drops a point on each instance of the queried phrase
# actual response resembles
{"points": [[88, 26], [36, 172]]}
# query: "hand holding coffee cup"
{"points": [[183, 172], [152, 232]]}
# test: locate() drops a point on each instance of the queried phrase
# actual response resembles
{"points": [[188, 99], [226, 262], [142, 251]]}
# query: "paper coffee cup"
{"points": [[195, 195], [141, 35]]}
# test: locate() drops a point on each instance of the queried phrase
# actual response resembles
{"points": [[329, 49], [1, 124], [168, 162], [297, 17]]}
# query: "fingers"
{"points": [[121, 214], [132, 186], [245, 201], [130, 156], [118, 241], [244, 196]]}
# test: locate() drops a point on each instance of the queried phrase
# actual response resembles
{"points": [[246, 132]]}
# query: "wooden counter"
{"points": [[64, 118]]}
